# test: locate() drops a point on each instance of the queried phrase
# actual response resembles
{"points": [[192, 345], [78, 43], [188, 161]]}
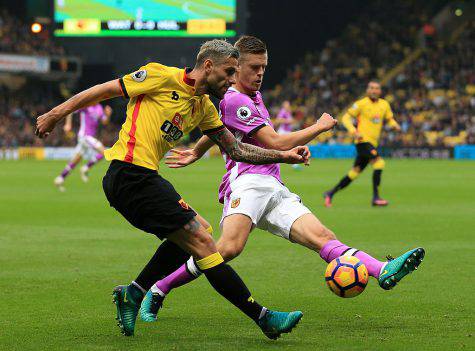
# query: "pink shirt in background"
{"points": [[243, 115], [90, 117], [285, 127]]}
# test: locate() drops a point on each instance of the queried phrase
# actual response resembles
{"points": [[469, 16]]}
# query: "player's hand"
{"points": [[397, 128], [45, 124], [299, 154], [180, 158], [357, 135], [326, 122], [108, 110]]}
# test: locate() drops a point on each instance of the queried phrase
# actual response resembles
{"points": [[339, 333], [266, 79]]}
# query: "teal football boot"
{"points": [[397, 268], [275, 323], [127, 309], [151, 303]]}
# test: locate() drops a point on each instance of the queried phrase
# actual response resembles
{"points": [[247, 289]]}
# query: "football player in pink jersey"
{"points": [[254, 195], [88, 146]]}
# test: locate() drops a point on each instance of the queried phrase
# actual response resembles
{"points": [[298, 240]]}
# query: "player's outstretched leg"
{"points": [[272, 323], [85, 169], [310, 232], [343, 183], [227, 282], [396, 269]]}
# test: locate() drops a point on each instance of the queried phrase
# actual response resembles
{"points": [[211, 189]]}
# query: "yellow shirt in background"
{"points": [[370, 117]]}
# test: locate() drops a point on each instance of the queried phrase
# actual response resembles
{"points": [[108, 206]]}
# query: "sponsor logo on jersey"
{"points": [[243, 113], [251, 121], [178, 120], [139, 76], [235, 203], [175, 95]]}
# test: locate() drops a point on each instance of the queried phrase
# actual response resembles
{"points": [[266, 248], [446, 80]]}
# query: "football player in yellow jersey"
{"points": [[370, 113], [166, 102]]}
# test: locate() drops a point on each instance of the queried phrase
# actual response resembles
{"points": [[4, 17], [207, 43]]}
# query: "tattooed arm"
{"points": [[238, 151], [241, 152]]}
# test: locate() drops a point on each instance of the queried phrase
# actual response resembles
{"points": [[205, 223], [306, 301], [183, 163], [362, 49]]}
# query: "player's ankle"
{"points": [[156, 290], [135, 294]]}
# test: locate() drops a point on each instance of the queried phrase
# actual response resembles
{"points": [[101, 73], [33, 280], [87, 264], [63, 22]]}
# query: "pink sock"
{"points": [[175, 279], [335, 248], [98, 157], [69, 167]]}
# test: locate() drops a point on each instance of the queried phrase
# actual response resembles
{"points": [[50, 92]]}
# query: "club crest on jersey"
{"points": [[178, 120], [243, 113], [139, 76], [235, 203], [184, 204]]}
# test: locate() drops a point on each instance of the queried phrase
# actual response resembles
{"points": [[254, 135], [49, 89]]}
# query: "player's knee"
{"points": [[199, 237], [230, 251], [354, 173], [204, 242], [379, 164]]}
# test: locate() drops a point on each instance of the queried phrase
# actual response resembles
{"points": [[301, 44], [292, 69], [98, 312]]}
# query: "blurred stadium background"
{"points": [[61, 254], [320, 60]]}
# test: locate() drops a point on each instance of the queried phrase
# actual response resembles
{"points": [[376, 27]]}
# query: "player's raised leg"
{"points": [[195, 239], [378, 166], [59, 180], [310, 232]]}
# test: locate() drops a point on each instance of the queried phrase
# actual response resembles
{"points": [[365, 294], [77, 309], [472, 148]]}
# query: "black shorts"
{"points": [[365, 152], [147, 200]]}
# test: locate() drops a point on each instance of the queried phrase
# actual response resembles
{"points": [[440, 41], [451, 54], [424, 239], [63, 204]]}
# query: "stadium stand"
{"points": [[16, 37], [23, 97], [433, 98]]}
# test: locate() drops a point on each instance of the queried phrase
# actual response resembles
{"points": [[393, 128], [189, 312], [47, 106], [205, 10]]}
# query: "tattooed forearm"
{"points": [[192, 226], [243, 152]]}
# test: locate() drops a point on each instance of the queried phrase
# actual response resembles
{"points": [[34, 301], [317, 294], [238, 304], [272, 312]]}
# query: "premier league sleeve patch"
{"points": [[139, 76], [243, 113]]}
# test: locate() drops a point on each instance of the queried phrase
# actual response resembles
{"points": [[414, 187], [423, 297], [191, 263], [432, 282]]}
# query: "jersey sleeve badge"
{"points": [[139, 76], [243, 113]]}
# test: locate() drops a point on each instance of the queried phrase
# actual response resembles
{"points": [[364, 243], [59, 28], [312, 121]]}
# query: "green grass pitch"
{"points": [[61, 255]]}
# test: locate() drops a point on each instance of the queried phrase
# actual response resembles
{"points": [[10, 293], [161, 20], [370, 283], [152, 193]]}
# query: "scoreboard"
{"points": [[145, 18]]}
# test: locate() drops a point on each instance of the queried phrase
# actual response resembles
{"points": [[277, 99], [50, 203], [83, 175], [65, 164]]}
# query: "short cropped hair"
{"points": [[374, 81], [216, 50], [248, 44]]}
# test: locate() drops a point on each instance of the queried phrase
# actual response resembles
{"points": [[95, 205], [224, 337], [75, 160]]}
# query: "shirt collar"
{"points": [[255, 98], [187, 80]]}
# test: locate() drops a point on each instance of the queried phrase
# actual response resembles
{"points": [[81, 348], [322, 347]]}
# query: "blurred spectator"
{"points": [[16, 37], [433, 98]]}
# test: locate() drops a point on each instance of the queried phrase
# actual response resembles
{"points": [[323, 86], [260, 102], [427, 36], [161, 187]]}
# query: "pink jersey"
{"points": [[243, 115], [90, 117], [285, 127]]}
